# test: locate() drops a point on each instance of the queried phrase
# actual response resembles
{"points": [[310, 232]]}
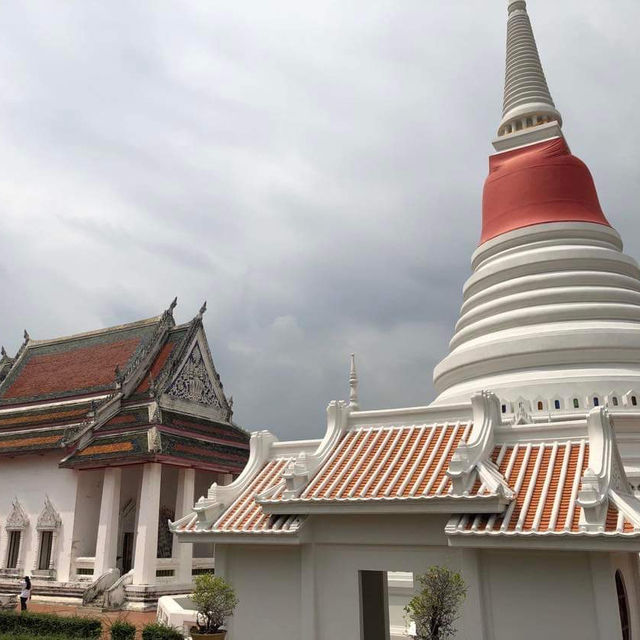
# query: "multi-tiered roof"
{"points": [[139, 392]]}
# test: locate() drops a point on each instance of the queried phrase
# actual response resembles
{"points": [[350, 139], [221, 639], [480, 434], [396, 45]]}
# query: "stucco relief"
{"points": [[193, 382], [49, 518], [18, 519]]}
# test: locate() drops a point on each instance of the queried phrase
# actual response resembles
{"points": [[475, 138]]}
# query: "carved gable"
{"points": [[193, 382], [18, 519], [49, 518]]}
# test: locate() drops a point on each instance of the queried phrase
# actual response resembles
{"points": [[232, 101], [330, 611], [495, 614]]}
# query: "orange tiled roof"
{"points": [[387, 463], [73, 365], [245, 515], [30, 442], [546, 479]]}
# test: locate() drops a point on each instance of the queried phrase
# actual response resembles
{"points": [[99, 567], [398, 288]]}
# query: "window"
{"points": [[634, 401], [596, 401], [529, 122], [540, 405], [14, 549], [614, 401], [556, 404], [46, 544], [504, 408], [623, 606], [576, 403]]}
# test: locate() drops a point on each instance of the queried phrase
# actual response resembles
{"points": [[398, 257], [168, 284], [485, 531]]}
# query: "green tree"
{"points": [[215, 599], [435, 609]]}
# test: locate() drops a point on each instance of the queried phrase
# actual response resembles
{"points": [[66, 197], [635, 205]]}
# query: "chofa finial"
{"points": [[3, 352], [353, 385], [203, 309], [173, 305], [26, 335]]}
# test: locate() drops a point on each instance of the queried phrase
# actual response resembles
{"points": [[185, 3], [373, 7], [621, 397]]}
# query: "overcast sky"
{"points": [[313, 169]]}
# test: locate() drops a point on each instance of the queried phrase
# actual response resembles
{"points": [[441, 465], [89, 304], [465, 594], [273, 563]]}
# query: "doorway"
{"points": [[127, 551], [374, 606]]}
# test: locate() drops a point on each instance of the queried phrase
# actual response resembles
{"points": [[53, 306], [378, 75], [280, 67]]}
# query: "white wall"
{"points": [[312, 593], [268, 584], [540, 595], [30, 478]]}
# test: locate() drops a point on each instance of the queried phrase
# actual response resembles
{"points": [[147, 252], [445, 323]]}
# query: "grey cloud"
{"points": [[313, 169]]}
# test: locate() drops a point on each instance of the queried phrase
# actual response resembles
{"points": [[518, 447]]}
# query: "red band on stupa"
{"points": [[538, 184]]}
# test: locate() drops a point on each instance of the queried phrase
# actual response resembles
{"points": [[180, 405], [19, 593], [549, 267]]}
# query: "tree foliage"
{"points": [[435, 609], [215, 599]]}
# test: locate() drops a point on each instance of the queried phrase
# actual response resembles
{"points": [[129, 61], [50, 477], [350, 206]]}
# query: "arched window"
{"points": [[556, 404], [540, 405], [504, 408], [614, 400], [623, 606], [596, 401], [576, 403], [634, 401]]}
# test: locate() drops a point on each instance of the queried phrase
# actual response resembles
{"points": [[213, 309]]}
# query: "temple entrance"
{"points": [[127, 552], [374, 605]]}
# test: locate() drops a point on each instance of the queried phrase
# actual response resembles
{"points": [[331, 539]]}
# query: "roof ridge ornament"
{"points": [[529, 113], [354, 404]]}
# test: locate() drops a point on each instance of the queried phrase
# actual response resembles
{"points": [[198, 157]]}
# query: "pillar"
{"points": [[183, 552], [473, 608], [146, 551], [308, 592], [605, 600], [107, 538]]}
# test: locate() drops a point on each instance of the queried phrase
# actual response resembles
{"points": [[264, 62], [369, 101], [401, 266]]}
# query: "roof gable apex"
{"points": [[191, 383]]}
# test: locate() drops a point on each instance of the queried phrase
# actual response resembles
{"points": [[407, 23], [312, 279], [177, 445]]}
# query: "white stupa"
{"points": [[551, 314]]}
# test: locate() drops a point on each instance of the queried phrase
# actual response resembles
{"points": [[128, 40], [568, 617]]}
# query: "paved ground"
{"points": [[134, 617]]}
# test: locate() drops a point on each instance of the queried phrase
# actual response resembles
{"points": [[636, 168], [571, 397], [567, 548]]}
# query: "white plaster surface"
{"points": [[22, 477]]}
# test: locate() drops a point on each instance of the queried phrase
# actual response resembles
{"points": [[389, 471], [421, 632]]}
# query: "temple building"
{"points": [[520, 474], [104, 437]]}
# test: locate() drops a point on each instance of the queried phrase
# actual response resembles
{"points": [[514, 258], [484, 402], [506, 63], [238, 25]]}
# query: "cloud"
{"points": [[314, 170]]}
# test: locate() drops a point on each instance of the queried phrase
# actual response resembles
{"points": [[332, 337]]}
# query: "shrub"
{"points": [[158, 631], [46, 624], [435, 608], [215, 599], [122, 630], [29, 636]]}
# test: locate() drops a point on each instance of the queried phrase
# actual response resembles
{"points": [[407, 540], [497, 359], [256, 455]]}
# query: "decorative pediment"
{"points": [[18, 519], [193, 382], [49, 518]]}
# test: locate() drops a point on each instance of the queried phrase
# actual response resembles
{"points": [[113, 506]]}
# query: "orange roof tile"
{"points": [[546, 479], [245, 515]]}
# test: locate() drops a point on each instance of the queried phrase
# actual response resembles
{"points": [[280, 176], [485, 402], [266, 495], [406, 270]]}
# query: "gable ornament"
{"points": [[193, 382], [49, 519], [18, 519]]}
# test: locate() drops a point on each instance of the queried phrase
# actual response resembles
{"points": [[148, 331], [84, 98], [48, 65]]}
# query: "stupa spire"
{"points": [[529, 113]]}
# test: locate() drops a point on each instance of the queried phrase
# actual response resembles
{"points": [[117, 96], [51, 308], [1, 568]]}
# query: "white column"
{"points": [[473, 618], [605, 600], [183, 552], [146, 552], [308, 592], [107, 538]]}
